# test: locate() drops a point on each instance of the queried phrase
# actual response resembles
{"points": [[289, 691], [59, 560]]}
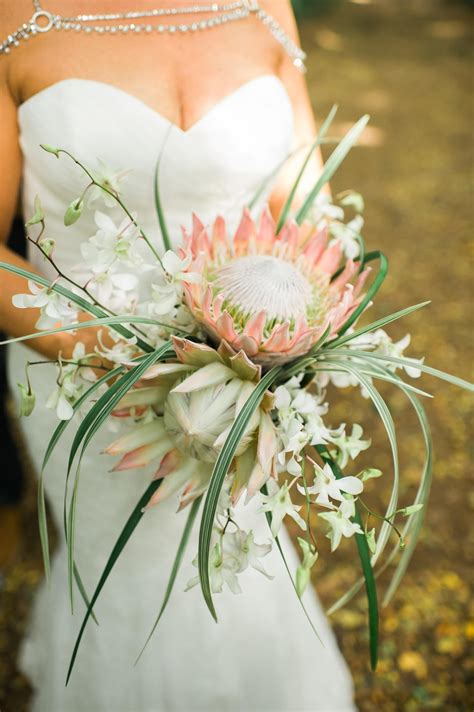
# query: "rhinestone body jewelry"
{"points": [[149, 21]]}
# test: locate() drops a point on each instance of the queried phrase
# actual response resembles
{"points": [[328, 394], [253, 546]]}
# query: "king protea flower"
{"points": [[189, 408], [268, 294]]}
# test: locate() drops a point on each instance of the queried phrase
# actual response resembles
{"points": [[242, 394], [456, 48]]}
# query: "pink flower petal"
{"points": [[246, 344], [346, 275], [289, 235], [279, 338], [267, 443], [171, 462], [197, 228], [266, 231], [217, 306], [245, 235], [303, 343], [330, 259], [193, 354], [256, 481], [142, 456], [206, 304], [361, 280], [225, 327], [220, 244], [255, 326], [315, 247]]}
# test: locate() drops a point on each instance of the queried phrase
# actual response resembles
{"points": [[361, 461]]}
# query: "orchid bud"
{"points": [[370, 536], [74, 211], [303, 572], [38, 215], [47, 245], [27, 399], [50, 149], [354, 200], [406, 511], [369, 474]]}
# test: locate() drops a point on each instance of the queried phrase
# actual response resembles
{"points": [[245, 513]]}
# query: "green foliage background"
{"points": [[301, 7]]}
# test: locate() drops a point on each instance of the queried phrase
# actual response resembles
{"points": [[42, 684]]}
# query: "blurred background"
{"points": [[409, 64]]}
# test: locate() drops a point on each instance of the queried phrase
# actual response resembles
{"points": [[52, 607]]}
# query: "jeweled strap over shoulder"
{"points": [[115, 23]]}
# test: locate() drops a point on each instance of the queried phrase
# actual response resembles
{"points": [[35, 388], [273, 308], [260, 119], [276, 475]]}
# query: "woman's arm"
{"points": [[305, 124], [13, 321]]}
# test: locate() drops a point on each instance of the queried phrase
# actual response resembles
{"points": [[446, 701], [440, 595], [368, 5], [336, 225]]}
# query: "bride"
{"points": [[224, 94]]}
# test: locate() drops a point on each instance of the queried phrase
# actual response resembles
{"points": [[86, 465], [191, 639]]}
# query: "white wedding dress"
{"points": [[262, 655]]}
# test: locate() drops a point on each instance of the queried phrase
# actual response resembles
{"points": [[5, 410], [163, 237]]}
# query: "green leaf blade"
{"points": [[158, 205], [120, 544], [367, 568], [321, 135], [217, 479], [331, 165], [75, 298]]}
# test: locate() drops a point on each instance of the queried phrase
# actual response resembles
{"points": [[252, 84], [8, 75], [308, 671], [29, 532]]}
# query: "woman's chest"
{"points": [[181, 76]]}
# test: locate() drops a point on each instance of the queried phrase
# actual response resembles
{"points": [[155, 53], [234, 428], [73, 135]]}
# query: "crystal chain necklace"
{"points": [[117, 23]]}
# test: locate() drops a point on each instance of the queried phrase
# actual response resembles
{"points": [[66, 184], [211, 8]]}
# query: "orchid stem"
{"points": [[117, 199]]}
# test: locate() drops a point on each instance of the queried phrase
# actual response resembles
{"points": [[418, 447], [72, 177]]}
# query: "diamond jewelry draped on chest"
{"points": [[116, 23]]}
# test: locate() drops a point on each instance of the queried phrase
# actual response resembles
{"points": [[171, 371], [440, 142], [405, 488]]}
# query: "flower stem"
{"points": [[384, 519], [117, 199]]}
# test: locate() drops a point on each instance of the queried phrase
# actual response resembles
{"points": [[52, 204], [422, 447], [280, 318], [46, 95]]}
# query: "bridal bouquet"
{"points": [[214, 358]]}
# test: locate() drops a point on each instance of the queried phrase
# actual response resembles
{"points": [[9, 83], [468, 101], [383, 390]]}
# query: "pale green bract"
{"points": [[219, 383]]}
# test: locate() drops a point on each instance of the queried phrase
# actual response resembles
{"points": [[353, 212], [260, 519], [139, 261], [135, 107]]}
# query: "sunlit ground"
{"points": [[409, 65]]}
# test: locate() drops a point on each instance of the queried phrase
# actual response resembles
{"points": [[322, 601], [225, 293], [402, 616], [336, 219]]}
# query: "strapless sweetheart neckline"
{"points": [[231, 96]]}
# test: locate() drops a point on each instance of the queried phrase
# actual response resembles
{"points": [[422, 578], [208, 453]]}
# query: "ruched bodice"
{"points": [[262, 655]]}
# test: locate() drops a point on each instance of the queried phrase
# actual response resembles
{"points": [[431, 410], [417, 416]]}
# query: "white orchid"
{"points": [[346, 236], [164, 297], [279, 504], [72, 380], [326, 486], [55, 309], [324, 211], [300, 423], [385, 346], [381, 343], [325, 214], [117, 290], [294, 438], [167, 293], [121, 351], [110, 178], [222, 570], [242, 547], [177, 267], [339, 379], [110, 243], [319, 433], [340, 522], [224, 502], [350, 446]]}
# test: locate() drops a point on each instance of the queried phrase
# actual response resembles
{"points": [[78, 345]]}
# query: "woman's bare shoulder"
{"points": [[14, 13], [282, 12]]}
